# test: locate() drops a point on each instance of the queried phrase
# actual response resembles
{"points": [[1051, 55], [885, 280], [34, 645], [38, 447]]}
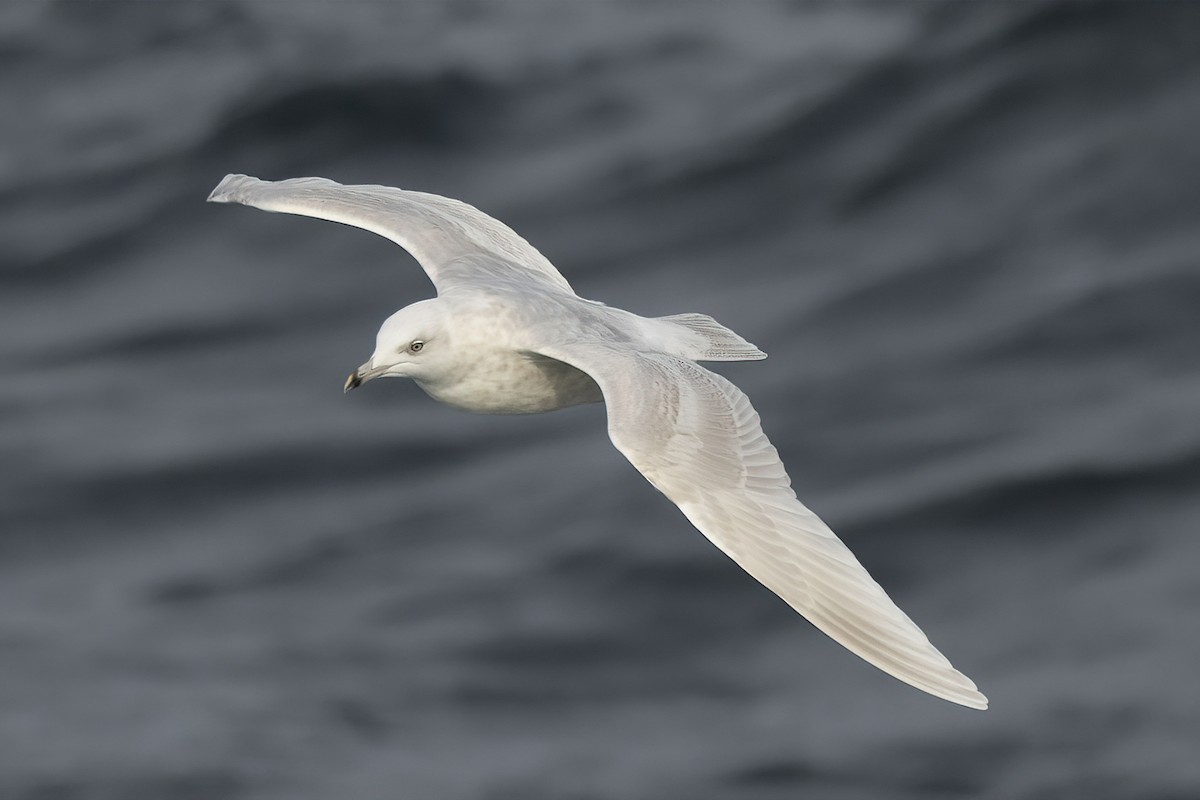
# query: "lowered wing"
{"points": [[695, 436]]}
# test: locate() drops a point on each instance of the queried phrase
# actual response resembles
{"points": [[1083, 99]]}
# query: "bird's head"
{"points": [[412, 343]]}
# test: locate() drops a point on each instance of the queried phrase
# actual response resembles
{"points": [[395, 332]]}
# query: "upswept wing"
{"points": [[695, 436], [437, 231]]}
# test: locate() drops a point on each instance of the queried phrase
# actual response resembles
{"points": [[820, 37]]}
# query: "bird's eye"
{"points": [[416, 346]]}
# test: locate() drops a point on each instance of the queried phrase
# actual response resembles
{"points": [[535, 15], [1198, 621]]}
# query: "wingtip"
{"points": [[956, 688], [967, 694], [975, 701], [228, 189], [953, 686], [973, 698]]}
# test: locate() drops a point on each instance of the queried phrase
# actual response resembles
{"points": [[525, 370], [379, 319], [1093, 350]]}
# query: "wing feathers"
{"points": [[437, 231], [699, 441]]}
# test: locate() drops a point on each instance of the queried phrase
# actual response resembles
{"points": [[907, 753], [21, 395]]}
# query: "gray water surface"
{"points": [[965, 233]]}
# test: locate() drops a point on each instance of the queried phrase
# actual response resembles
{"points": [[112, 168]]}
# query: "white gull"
{"points": [[507, 335]]}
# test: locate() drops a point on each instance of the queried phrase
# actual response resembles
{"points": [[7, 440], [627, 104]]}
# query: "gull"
{"points": [[506, 334]]}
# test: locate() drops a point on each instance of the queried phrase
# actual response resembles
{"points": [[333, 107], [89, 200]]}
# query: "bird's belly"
{"points": [[516, 383]]}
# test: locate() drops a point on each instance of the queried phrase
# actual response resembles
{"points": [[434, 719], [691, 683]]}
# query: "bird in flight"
{"points": [[506, 334]]}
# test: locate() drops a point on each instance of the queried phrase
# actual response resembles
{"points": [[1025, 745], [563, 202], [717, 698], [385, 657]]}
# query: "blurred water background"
{"points": [[965, 232]]}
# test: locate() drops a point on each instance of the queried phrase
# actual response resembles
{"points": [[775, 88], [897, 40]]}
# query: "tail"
{"points": [[701, 338]]}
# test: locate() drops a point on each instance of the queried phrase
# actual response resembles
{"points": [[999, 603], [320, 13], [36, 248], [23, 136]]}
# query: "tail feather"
{"points": [[705, 339]]}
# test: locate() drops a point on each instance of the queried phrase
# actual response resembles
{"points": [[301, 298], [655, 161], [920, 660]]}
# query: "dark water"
{"points": [[967, 234]]}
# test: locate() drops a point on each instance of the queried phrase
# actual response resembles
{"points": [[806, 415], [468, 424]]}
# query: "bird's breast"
{"points": [[512, 382]]}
